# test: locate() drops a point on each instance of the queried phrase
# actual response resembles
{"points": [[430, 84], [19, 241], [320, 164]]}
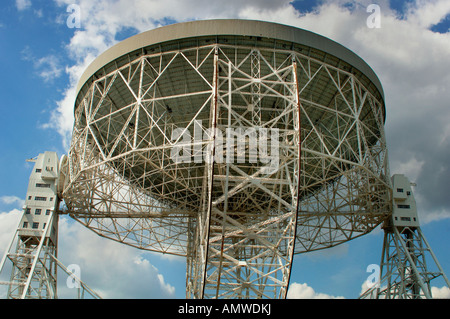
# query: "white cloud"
{"points": [[440, 293], [61, 118], [427, 13], [39, 13], [8, 225], [12, 200], [410, 168], [364, 287], [23, 4], [435, 215], [48, 67], [303, 291], [111, 269]]}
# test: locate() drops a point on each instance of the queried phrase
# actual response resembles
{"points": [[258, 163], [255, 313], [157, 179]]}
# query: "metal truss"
{"points": [[30, 257], [238, 223], [252, 219], [34, 268], [33, 274], [408, 266]]}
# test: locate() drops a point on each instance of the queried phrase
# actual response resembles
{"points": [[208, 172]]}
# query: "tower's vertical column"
{"points": [[199, 228], [253, 212]]}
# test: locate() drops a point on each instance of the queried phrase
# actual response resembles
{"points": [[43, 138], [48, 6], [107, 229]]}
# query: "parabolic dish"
{"points": [[138, 101]]}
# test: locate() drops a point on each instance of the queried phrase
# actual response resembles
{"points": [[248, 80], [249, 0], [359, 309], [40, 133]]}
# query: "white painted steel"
{"points": [[237, 223]]}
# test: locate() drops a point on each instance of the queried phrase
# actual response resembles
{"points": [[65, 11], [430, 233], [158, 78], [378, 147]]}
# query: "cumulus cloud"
{"points": [[440, 293], [8, 225], [427, 13], [23, 4], [303, 291], [9, 200], [111, 269], [48, 67]]}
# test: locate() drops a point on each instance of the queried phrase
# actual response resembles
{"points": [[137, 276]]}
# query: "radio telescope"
{"points": [[234, 143]]}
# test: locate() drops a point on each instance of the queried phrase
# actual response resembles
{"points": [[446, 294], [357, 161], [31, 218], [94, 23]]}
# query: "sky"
{"points": [[42, 55]]}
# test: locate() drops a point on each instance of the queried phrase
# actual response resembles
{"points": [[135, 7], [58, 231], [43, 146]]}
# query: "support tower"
{"points": [[408, 264]]}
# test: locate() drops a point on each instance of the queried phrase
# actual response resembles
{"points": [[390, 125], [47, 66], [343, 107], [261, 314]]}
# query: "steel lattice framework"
{"points": [[321, 180], [406, 274], [34, 270], [31, 257], [408, 264]]}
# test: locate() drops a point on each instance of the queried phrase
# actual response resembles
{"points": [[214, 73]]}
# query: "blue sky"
{"points": [[41, 59]]}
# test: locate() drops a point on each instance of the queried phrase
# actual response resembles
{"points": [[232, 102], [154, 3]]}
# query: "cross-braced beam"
{"points": [[249, 251]]}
